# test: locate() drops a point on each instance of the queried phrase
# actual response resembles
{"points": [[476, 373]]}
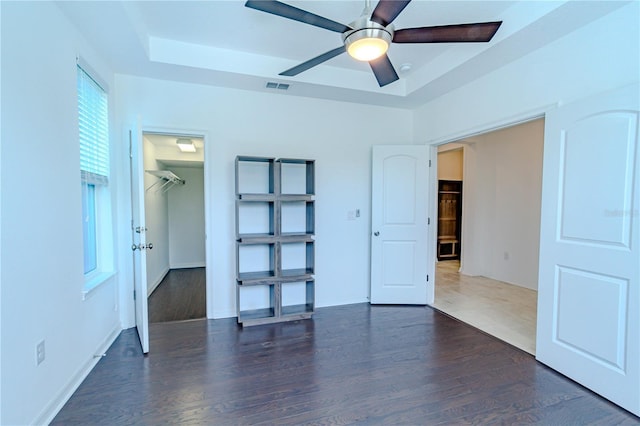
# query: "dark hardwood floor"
{"points": [[180, 296], [349, 364]]}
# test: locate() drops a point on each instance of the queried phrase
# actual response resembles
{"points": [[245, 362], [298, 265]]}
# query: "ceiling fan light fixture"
{"points": [[367, 44]]}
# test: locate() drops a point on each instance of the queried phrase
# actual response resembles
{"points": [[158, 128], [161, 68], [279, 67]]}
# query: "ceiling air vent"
{"points": [[274, 85]]}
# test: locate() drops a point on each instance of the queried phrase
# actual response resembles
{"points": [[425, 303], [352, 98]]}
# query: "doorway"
{"points": [[493, 284], [450, 166], [175, 221]]}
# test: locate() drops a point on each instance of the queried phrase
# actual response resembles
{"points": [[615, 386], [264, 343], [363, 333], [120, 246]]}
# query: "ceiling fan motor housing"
{"points": [[369, 31]]}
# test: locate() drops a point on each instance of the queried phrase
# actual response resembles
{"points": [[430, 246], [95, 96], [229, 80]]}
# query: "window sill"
{"points": [[95, 281]]}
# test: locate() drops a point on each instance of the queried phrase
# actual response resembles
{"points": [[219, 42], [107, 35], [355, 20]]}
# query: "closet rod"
{"points": [[170, 179]]}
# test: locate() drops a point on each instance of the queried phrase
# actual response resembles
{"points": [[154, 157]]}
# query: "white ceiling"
{"points": [[224, 43]]}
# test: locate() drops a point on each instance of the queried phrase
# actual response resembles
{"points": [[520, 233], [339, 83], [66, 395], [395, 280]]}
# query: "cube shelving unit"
{"points": [[275, 239]]}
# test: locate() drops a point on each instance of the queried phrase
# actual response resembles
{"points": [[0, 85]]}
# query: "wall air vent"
{"points": [[274, 85]]}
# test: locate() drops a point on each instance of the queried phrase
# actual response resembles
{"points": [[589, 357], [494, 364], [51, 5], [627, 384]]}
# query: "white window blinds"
{"points": [[94, 130]]}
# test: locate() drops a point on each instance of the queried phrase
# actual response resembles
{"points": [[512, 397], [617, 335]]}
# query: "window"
{"points": [[89, 227], [93, 123]]}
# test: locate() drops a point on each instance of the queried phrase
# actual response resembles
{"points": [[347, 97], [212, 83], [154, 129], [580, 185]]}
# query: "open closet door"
{"points": [[399, 255], [138, 235], [588, 292]]}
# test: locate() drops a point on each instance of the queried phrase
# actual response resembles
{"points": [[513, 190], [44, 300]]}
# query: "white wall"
{"points": [[42, 260], [501, 204], [156, 213], [337, 135], [186, 219]]}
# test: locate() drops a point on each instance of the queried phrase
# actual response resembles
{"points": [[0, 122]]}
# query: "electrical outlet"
{"points": [[39, 353]]}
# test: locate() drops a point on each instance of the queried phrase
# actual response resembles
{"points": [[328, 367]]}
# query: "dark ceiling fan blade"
{"points": [[286, 11], [383, 70], [313, 62], [461, 33], [388, 10]]}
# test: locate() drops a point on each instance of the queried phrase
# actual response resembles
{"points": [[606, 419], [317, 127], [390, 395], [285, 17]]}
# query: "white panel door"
{"points": [[138, 236], [399, 225], [588, 291]]}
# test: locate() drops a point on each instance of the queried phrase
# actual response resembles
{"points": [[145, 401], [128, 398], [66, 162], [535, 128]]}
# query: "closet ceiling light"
{"points": [[186, 145]]}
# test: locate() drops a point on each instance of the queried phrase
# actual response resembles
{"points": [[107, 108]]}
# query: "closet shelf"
{"points": [[168, 177]]}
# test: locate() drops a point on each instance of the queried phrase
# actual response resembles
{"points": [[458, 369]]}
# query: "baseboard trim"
{"points": [[188, 265], [219, 314], [157, 281], [52, 409]]}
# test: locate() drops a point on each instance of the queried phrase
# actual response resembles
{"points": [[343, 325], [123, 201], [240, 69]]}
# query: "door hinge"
{"points": [[134, 295], [427, 278], [429, 163], [428, 221]]}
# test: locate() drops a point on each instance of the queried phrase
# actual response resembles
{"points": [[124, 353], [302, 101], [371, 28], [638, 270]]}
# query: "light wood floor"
{"points": [[505, 311]]}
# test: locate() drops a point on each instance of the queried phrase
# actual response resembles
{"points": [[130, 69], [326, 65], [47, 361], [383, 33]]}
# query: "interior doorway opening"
{"points": [[491, 282], [450, 173], [175, 220]]}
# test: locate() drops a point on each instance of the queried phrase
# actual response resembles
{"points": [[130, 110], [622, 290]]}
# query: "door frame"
{"points": [[475, 131], [208, 177]]}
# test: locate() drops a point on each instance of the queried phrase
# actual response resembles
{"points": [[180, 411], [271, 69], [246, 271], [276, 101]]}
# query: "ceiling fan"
{"points": [[368, 37]]}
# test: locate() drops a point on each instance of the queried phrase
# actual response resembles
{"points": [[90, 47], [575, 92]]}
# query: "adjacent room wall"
{"points": [[450, 164], [186, 219], [337, 135], [501, 204], [42, 256]]}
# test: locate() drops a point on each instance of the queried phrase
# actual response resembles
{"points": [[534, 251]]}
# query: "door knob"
{"points": [[376, 233], [141, 247]]}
